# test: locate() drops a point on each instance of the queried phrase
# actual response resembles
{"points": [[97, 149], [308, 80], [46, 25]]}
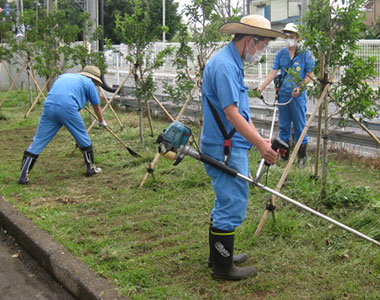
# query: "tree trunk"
{"points": [[140, 121], [325, 150], [139, 108], [318, 151]]}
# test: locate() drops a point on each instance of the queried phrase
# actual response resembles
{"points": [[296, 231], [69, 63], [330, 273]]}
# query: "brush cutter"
{"points": [[173, 144]]}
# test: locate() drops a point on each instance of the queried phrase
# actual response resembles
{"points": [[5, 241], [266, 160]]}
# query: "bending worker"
{"points": [[68, 95], [295, 112], [228, 133]]}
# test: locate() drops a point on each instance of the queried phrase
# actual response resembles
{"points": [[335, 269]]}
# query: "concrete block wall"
{"points": [[279, 10]]}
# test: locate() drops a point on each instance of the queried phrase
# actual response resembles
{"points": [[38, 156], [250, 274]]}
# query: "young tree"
{"points": [[138, 32], [227, 10], [204, 24], [331, 31], [183, 81], [121, 7], [50, 42], [204, 21]]}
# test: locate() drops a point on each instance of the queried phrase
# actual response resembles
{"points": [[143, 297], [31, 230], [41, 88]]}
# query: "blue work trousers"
{"points": [[52, 118], [294, 112], [231, 192]]}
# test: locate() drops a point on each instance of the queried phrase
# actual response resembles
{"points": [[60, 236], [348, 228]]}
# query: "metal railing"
{"points": [[254, 73]]}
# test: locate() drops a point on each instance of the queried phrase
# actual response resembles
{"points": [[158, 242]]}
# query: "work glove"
{"points": [[103, 123]]}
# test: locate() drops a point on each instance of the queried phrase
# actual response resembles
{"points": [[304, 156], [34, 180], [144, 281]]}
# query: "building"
{"points": [[279, 12], [372, 12]]}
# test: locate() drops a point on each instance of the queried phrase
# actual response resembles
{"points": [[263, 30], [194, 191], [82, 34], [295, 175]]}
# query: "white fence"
{"points": [[117, 64]]}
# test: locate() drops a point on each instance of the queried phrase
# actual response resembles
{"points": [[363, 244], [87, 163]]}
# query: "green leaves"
{"points": [[139, 32], [49, 40], [255, 93], [331, 32], [183, 81]]}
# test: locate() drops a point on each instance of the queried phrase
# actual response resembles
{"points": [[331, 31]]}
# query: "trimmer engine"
{"points": [[173, 137]]}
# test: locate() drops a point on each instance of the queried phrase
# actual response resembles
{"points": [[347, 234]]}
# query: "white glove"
{"points": [[104, 123]]}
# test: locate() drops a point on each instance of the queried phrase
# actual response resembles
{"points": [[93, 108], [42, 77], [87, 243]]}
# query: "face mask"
{"points": [[258, 55], [290, 42], [249, 58]]}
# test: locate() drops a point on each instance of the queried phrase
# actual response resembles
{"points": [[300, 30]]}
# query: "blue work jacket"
{"points": [[73, 90], [223, 85], [302, 63]]}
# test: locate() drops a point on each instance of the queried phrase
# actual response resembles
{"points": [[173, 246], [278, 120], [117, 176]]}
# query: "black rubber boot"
{"points": [[28, 161], [222, 253], [237, 259], [88, 155], [284, 152], [302, 158]]}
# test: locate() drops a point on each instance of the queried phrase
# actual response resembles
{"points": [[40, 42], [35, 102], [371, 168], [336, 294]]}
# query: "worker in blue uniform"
{"points": [[68, 95], [228, 133], [291, 57]]}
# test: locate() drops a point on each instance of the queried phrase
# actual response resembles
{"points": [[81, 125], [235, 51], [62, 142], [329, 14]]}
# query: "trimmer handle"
{"points": [[277, 144]]}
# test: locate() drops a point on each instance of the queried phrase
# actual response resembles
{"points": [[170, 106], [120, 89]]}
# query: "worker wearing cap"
{"points": [[225, 96], [68, 95], [295, 112]]}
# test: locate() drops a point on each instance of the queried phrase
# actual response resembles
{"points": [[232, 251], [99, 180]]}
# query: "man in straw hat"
{"points": [[295, 112], [228, 133], [68, 95]]}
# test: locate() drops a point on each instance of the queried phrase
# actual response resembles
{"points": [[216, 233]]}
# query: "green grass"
{"points": [[152, 242]]}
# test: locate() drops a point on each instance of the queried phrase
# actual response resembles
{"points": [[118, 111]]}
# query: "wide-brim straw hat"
{"points": [[93, 73], [252, 25]]}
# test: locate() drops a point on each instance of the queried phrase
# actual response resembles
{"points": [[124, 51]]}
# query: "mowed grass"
{"points": [[152, 242]]}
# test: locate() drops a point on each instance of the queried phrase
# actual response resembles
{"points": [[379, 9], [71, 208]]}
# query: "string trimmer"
{"points": [[173, 144]]}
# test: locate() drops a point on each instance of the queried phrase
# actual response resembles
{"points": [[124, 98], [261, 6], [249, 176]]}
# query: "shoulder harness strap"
{"points": [[227, 136]]}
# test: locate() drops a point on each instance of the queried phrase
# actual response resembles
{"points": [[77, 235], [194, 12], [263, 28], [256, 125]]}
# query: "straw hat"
{"points": [[290, 27], [93, 73], [253, 25]]}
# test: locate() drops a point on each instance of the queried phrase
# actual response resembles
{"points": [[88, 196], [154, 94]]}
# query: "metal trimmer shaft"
{"points": [[187, 150]]}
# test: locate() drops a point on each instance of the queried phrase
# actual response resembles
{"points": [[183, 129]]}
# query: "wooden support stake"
{"points": [[111, 108], [10, 75], [112, 97], [371, 134], [163, 108], [108, 103], [149, 117], [12, 85], [38, 97], [35, 83]]}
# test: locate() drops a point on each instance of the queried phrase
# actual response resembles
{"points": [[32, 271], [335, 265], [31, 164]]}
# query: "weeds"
{"points": [[354, 197], [152, 242]]}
